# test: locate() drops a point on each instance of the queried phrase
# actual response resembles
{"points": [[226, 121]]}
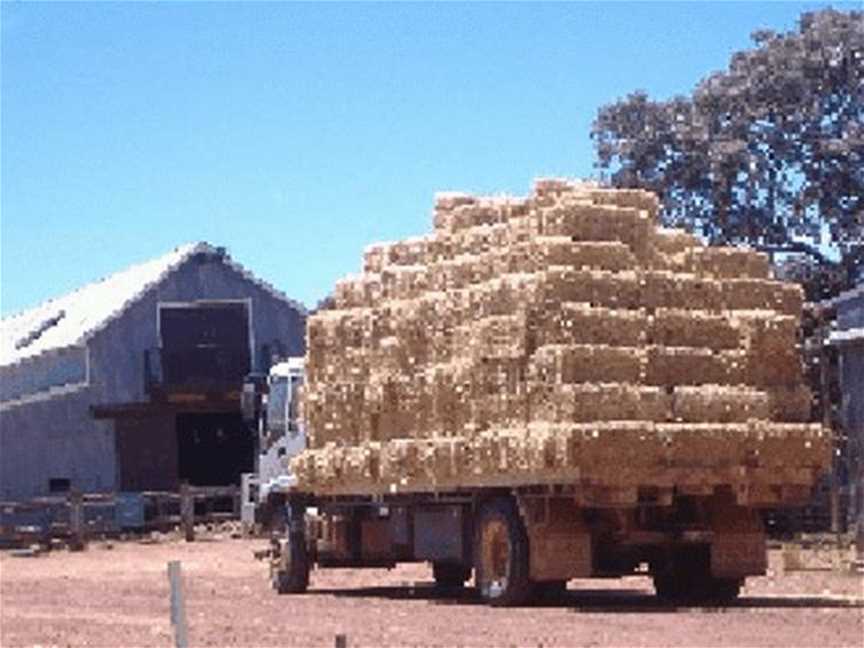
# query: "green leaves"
{"points": [[769, 152]]}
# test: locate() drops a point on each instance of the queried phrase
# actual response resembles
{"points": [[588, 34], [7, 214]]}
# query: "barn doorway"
{"points": [[204, 345], [214, 448]]}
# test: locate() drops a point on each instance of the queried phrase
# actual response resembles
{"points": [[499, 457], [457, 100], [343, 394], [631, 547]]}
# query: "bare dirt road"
{"points": [[120, 597]]}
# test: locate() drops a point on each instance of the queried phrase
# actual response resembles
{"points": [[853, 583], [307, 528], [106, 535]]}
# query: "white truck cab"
{"points": [[271, 407]]}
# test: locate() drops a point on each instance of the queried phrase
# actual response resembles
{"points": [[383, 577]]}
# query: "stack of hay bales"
{"points": [[555, 338]]}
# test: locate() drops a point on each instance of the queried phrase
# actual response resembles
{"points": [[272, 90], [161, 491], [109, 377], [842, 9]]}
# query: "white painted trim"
{"points": [[45, 395], [847, 336]]}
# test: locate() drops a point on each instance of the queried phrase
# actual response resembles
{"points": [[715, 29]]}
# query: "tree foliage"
{"points": [[769, 152]]}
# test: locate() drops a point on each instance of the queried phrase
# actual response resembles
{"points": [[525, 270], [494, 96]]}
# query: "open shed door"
{"points": [[205, 344]]}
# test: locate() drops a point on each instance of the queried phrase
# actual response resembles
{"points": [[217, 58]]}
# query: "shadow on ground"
{"points": [[588, 600]]}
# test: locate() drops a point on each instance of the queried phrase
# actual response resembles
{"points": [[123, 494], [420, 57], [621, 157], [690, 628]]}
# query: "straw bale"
{"points": [[358, 291], [583, 221], [667, 366], [581, 323], [538, 254], [449, 390], [446, 203], [663, 289], [586, 363], [727, 263], [397, 406], [791, 404], [555, 186], [762, 294], [637, 198], [499, 410], [718, 404], [772, 351], [673, 241], [695, 328], [404, 282], [585, 402], [595, 287], [335, 413], [480, 239], [375, 257], [498, 336], [735, 362]]}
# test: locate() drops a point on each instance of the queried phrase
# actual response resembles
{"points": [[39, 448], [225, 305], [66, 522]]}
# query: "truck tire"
{"points": [[289, 569], [686, 579], [501, 554], [550, 591], [450, 575]]}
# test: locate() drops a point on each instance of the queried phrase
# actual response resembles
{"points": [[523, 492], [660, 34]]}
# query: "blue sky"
{"points": [[297, 134]]}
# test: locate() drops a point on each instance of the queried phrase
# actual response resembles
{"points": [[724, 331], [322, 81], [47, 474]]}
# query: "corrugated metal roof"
{"points": [[73, 318]]}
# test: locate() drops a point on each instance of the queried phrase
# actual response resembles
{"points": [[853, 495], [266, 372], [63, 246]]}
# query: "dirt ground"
{"points": [[119, 596]]}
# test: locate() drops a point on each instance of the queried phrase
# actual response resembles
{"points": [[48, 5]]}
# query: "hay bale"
{"points": [[718, 404], [668, 366], [693, 328], [572, 363]]}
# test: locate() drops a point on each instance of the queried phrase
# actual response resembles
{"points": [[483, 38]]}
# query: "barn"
{"points": [[132, 383], [848, 339]]}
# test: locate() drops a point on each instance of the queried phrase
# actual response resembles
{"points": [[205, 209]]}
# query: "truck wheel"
{"points": [[550, 591], [289, 570], [450, 575], [686, 579], [501, 554]]}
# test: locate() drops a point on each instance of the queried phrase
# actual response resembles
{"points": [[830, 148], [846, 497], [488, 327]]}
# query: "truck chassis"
{"points": [[525, 543]]}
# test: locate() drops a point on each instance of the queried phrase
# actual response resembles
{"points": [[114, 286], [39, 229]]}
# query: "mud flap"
{"points": [[559, 544], [738, 547]]}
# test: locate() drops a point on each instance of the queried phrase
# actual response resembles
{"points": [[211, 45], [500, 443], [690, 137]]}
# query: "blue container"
{"points": [[129, 511]]}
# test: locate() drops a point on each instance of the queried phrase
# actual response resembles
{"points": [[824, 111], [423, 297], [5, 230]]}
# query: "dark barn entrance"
{"points": [[205, 346], [213, 448]]}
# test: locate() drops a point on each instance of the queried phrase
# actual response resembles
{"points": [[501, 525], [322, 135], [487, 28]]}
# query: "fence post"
{"points": [[237, 501], [76, 521], [187, 512], [178, 605]]}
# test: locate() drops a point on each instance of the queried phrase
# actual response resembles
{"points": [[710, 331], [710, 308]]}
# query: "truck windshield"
{"points": [[276, 406]]}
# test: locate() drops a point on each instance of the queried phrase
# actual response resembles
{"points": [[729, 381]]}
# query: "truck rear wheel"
{"points": [[501, 554], [686, 579], [550, 591], [450, 575]]}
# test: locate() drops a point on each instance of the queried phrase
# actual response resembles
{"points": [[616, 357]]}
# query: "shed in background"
{"points": [[133, 383]]}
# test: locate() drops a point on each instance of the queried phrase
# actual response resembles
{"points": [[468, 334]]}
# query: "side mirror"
{"points": [[254, 387]]}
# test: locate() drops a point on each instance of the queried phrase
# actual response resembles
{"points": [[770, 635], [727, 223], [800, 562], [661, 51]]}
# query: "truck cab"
{"points": [[271, 409]]}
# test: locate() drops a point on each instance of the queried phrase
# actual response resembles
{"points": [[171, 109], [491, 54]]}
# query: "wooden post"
{"points": [[76, 521], [238, 502], [187, 512], [341, 641], [178, 605]]}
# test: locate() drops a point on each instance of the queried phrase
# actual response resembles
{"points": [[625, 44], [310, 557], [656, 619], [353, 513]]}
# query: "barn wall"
{"points": [[33, 376], [850, 312], [58, 438], [852, 382], [54, 438]]}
